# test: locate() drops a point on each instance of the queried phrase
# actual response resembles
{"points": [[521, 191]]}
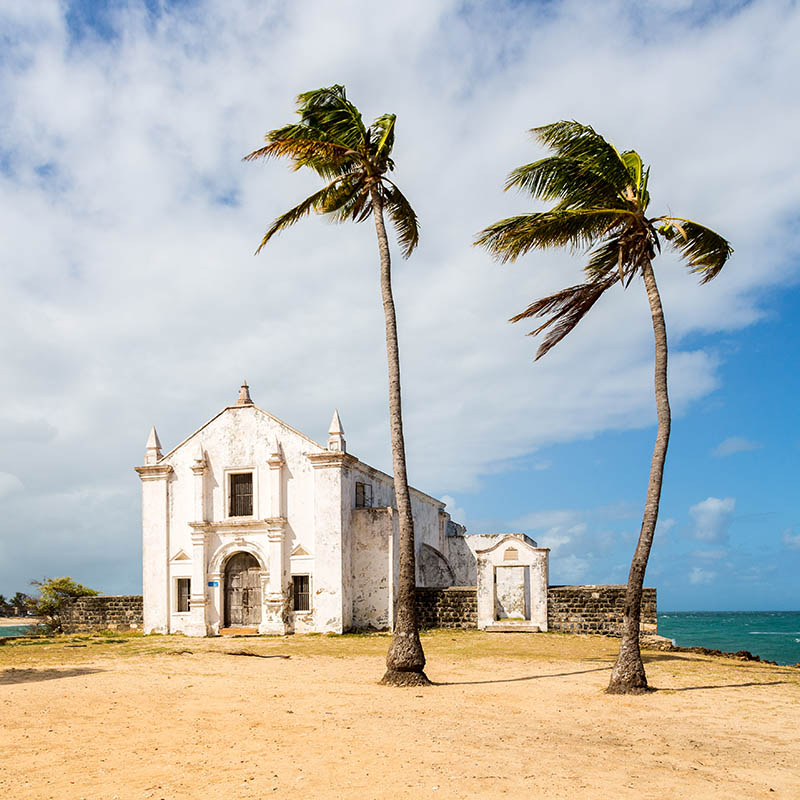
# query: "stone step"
{"points": [[512, 627], [238, 631]]}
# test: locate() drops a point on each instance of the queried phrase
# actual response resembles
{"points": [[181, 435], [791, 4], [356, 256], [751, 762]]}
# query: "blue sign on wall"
{"points": [[213, 583]]}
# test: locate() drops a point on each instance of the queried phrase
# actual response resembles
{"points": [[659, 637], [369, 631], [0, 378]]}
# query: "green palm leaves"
{"points": [[332, 140], [600, 201]]}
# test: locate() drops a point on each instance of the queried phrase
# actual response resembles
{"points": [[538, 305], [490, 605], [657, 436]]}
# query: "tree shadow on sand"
{"points": [[9, 676], [723, 686], [524, 678]]}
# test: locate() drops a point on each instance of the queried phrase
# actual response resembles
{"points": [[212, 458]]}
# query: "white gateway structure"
{"points": [[249, 524]]}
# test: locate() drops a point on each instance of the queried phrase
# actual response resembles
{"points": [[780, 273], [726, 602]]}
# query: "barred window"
{"points": [[241, 494], [302, 594], [363, 495], [184, 588]]}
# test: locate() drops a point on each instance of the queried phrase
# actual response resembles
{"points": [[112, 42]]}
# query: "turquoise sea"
{"points": [[15, 630], [773, 635]]}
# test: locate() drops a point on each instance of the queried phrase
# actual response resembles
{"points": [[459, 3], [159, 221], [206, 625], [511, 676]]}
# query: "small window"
{"points": [[302, 595], [363, 495], [241, 494], [184, 588]]}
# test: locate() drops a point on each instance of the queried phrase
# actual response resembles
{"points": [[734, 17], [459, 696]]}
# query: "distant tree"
{"points": [[54, 594], [5, 606], [20, 602], [601, 202], [332, 140]]}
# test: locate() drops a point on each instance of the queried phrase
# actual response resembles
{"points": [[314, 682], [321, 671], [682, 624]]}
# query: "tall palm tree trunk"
{"points": [[628, 675], [405, 660]]}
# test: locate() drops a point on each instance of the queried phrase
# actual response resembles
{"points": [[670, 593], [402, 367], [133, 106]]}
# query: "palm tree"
{"points": [[601, 202], [354, 159]]}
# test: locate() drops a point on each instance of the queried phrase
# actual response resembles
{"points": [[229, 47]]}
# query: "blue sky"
{"points": [[130, 296]]}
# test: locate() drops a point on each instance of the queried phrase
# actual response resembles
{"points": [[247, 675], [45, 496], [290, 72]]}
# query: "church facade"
{"points": [[250, 525]]}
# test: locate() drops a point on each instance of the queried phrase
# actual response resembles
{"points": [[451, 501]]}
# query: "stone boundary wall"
{"points": [[595, 609], [104, 612], [453, 607]]}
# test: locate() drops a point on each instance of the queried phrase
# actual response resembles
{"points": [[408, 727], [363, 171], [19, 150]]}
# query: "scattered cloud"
{"points": [[711, 555], [457, 514], [699, 576], [9, 484], [540, 466], [735, 444], [712, 517], [114, 318], [791, 539], [664, 526], [540, 520]]}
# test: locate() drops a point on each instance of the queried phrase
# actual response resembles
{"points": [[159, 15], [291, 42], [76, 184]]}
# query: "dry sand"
{"points": [[513, 715]]}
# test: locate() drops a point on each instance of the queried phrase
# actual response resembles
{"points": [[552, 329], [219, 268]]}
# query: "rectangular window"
{"points": [[363, 495], [302, 594], [184, 588], [241, 494]]}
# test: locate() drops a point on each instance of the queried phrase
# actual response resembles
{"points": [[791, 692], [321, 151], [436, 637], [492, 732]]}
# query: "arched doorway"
{"points": [[242, 591]]}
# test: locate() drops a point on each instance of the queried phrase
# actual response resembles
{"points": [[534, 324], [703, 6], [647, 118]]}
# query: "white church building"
{"points": [[250, 525]]}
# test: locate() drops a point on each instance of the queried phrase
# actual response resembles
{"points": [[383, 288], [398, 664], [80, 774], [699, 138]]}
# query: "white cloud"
{"points": [[790, 539], [711, 555], [127, 283], [9, 484], [699, 576], [572, 568], [541, 520], [664, 526], [712, 517], [734, 444], [456, 513]]}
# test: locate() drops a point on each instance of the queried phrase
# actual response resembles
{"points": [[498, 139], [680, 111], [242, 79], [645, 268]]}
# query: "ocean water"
{"points": [[16, 630], [773, 635]]}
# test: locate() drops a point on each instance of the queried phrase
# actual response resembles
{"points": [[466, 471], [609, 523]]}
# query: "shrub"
{"points": [[54, 594]]}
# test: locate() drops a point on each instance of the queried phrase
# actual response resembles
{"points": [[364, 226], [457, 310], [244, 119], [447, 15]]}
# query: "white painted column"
{"points": [[275, 612], [276, 499], [196, 625], [155, 546]]}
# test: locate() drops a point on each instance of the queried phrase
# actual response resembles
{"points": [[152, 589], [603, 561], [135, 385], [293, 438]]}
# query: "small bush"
{"points": [[54, 594]]}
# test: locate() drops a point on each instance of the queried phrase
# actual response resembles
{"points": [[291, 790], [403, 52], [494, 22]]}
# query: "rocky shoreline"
{"points": [[666, 645]]}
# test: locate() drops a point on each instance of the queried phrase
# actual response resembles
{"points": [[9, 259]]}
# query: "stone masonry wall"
{"points": [[453, 607], [114, 612], [595, 609]]}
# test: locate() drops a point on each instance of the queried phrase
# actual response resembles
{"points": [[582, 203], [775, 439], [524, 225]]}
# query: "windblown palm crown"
{"points": [[601, 207], [332, 139]]}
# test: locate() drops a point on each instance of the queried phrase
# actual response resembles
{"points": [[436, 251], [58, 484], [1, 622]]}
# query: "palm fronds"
{"points": [[331, 139], [705, 250], [575, 142], [600, 197], [403, 218], [315, 202], [510, 238], [565, 310]]}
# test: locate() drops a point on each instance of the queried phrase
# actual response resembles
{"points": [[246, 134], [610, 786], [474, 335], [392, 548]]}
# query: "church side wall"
{"points": [[371, 555]]}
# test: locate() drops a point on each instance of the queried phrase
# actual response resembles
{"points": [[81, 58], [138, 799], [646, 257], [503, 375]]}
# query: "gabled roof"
{"points": [[239, 408]]}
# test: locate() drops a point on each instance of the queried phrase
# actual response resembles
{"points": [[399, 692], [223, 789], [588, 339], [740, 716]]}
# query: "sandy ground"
{"points": [[12, 622], [513, 715]]}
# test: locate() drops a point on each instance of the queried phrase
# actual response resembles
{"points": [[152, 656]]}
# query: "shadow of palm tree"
{"points": [[524, 678], [12, 675], [724, 686]]}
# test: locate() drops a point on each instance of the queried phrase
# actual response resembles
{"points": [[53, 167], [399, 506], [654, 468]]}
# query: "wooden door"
{"points": [[242, 591]]}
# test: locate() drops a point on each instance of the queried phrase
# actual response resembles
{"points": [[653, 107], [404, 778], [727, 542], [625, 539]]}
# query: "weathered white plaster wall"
{"points": [[304, 522], [371, 561], [512, 580]]}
